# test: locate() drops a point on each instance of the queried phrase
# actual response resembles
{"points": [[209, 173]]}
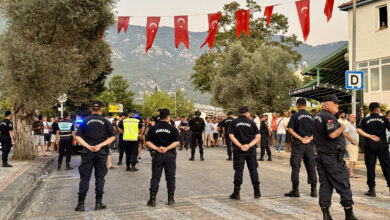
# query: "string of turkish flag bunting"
{"points": [[242, 24]]}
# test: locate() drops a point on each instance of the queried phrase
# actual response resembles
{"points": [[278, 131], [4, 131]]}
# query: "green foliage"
{"points": [[260, 79], [118, 92], [161, 99], [207, 65]]}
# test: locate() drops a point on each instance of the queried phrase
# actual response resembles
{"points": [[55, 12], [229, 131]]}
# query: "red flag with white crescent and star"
{"points": [[101, 35], [242, 22], [213, 27], [152, 25], [328, 11], [181, 31], [123, 22], [303, 8], [268, 13]]}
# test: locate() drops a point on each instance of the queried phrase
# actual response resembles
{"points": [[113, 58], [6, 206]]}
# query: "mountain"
{"points": [[168, 68]]}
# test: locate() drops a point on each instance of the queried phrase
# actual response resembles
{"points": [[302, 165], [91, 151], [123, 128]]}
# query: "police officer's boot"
{"points": [[99, 204], [6, 164], [294, 192], [236, 193], [171, 199], [371, 192], [119, 162], [152, 200], [80, 205], [313, 192], [201, 157], [325, 213], [269, 158], [229, 158], [256, 189], [181, 147], [192, 157], [59, 166], [349, 214], [133, 168], [128, 168], [261, 158], [68, 167]]}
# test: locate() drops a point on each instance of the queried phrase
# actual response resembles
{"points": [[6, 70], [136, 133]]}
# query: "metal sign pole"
{"points": [[354, 67]]}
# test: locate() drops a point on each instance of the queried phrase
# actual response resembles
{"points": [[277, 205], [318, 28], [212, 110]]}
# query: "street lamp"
{"points": [[182, 90], [62, 99]]}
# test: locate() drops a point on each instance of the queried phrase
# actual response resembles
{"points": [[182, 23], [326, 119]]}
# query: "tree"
{"points": [[49, 48], [206, 66], [260, 79], [118, 92]]}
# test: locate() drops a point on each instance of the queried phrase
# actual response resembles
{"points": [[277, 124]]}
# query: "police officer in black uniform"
{"points": [[162, 139], [197, 126], [264, 141], [301, 128], [244, 135], [332, 170], [374, 128], [6, 137], [95, 134], [121, 144], [225, 131]]}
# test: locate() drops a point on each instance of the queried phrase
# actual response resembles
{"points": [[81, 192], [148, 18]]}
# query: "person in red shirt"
{"points": [[274, 127]]}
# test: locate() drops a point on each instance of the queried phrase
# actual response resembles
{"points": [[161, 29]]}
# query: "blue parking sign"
{"points": [[354, 80]]}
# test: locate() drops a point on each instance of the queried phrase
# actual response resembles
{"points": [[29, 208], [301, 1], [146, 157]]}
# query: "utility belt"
{"points": [[339, 155], [153, 153], [377, 142]]}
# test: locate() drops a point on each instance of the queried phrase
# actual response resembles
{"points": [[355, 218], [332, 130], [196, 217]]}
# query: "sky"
{"points": [[321, 32]]}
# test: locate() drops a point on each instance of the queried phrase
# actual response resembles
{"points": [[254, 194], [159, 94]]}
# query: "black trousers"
{"points": [[333, 175], [90, 160], [228, 145], [184, 139], [372, 151], [196, 138], [167, 162], [264, 145], [6, 148], [131, 150], [306, 152], [239, 159], [65, 147], [121, 148]]}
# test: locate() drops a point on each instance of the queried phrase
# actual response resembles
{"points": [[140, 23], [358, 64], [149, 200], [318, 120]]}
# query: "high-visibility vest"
{"points": [[130, 129]]}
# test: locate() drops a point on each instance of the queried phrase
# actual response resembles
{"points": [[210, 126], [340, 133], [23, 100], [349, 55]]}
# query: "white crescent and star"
{"points": [[179, 20], [214, 23], [304, 9], [153, 25]]}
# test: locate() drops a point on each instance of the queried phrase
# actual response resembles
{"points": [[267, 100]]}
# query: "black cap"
{"points": [[230, 113], [331, 98], [97, 104], [243, 109], [373, 106], [197, 113], [124, 114], [7, 113]]}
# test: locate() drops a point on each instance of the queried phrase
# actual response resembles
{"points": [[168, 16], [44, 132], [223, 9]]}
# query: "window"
{"points": [[365, 82], [385, 77], [374, 63], [386, 61], [374, 79], [363, 64], [383, 23]]}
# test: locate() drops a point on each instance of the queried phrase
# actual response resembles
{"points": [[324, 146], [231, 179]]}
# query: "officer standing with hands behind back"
{"points": [[95, 134], [6, 137], [162, 139], [245, 135], [225, 131], [374, 129], [332, 170]]}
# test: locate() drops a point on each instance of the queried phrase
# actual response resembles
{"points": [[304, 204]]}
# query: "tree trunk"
{"points": [[24, 146]]}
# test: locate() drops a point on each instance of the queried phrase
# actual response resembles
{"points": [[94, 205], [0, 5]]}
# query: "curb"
{"points": [[16, 191]]}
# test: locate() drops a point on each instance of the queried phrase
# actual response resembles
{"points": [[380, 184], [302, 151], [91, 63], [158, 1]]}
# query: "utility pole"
{"points": [[354, 66]]}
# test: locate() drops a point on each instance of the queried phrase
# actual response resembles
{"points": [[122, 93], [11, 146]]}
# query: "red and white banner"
{"points": [[268, 13], [181, 31], [152, 25], [123, 22], [328, 11], [213, 27], [242, 22], [303, 8]]}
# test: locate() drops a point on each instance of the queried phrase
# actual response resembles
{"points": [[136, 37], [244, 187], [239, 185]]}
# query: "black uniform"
{"points": [[162, 135], [302, 124], [94, 130], [197, 127], [376, 124], [5, 138], [66, 138], [332, 171], [264, 143], [244, 130], [184, 135], [225, 124], [121, 147]]}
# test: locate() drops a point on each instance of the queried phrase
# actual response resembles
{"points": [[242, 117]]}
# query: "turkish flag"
{"points": [[329, 8], [151, 31], [213, 27], [242, 22], [101, 35], [181, 31], [268, 13], [123, 22], [303, 8]]}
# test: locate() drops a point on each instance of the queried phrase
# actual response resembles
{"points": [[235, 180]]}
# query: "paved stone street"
{"points": [[202, 193]]}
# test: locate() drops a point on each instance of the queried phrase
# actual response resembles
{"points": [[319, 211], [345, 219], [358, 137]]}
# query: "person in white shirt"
{"points": [[215, 133], [342, 118], [209, 130], [46, 133], [257, 122], [352, 140], [281, 132]]}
